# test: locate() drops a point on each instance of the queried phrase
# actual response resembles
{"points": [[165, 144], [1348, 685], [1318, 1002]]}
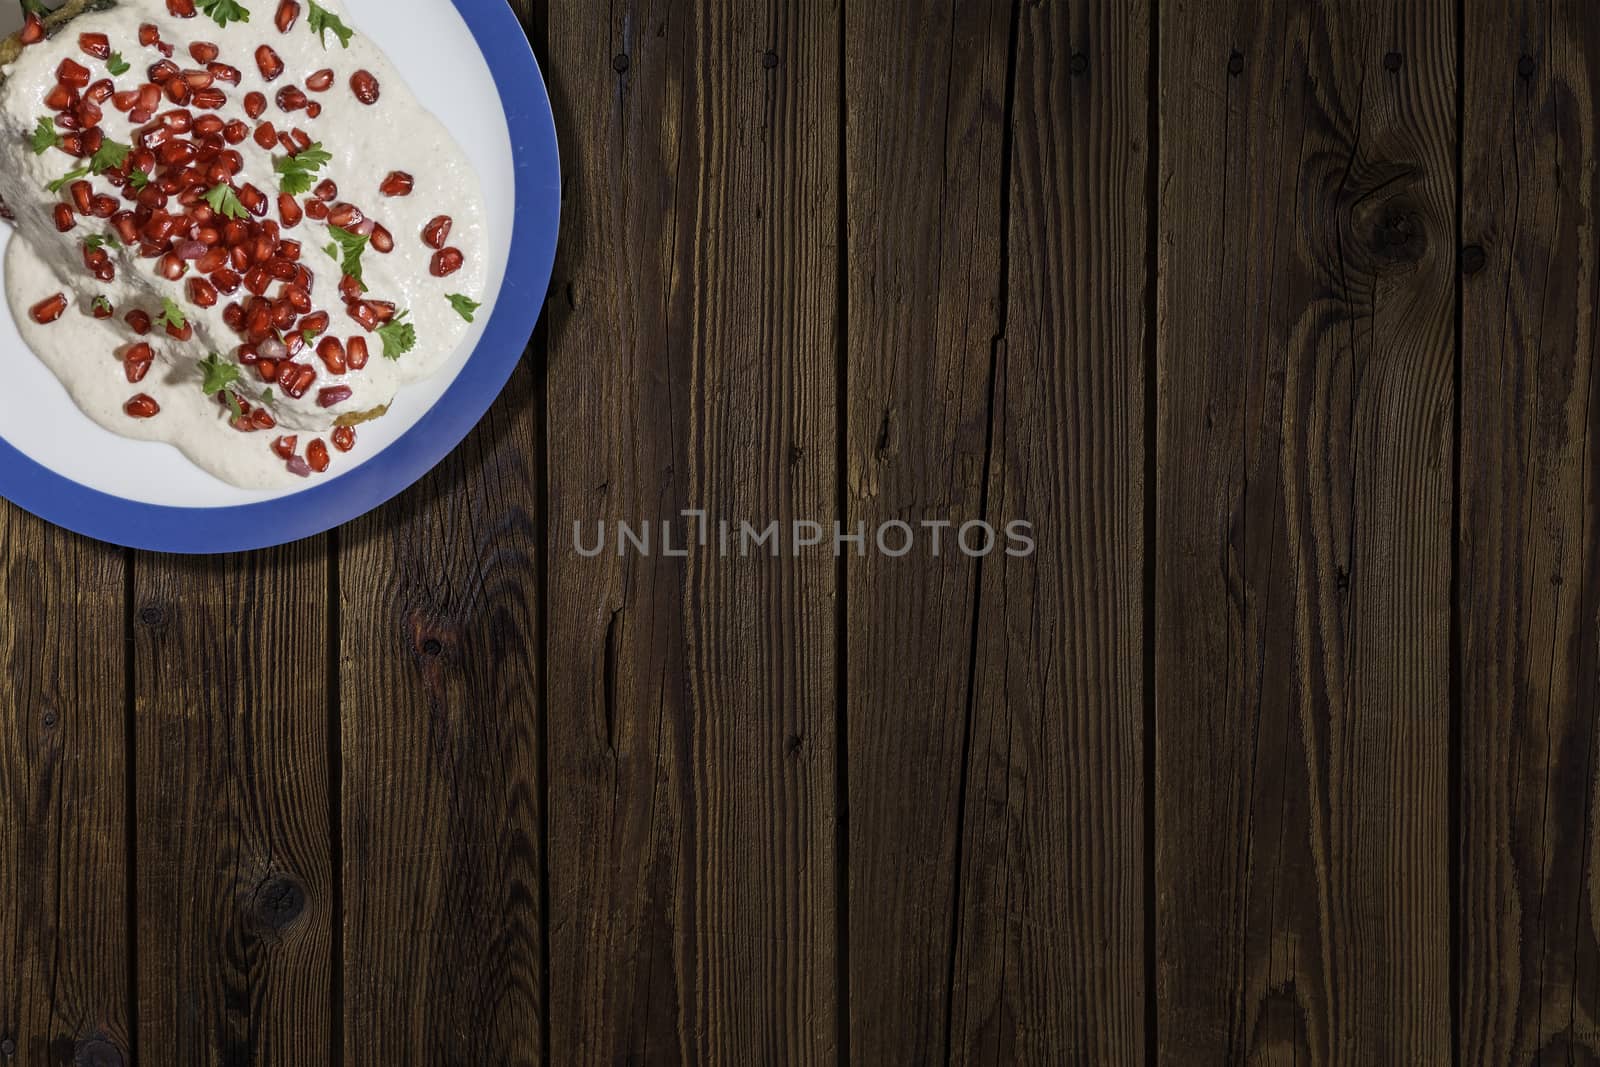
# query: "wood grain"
{"points": [[692, 365], [1304, 443], [441, 808], [925, 86], [1050, 964], [1529, 592], [63, 816], [235, 897]]}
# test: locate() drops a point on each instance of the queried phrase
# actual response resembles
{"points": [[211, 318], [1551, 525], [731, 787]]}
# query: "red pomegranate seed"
{"points": [[100, 91], [398, 183], [289, 211], [72, 73], [136, 362], [326, 190], [125, 100], [253, 199], [142, 406], [331, 351], [266, 136], [224, 73], [345, 216], [210, 99], [235, 131], [202, 293], [104, 206], [61, 98], [447, 262], [316, 209], [356, 353], [181, 333], [49, 310], [437, 232], [321, 81], [365, 86], [83, 196], [285, 446], [178, 90], [163, 72], [255, 104], [295, 378], [95, 44], [172, 267], [317, 455], [102, 309], [269, 63], [32, 30], [204, 52], [183, 9], [298, 466], [267, 370], [209, 126], [382, 239], [344, 438], [334, 395], [291, 98], [65, 219], [288, 12], [313, 110], [363, 313], [138, 321], [262, 419]]}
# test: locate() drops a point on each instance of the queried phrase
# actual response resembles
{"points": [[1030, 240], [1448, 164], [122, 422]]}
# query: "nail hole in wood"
{"points": [[769, 60], [1080, 64], [1393, 62], [432, 647], [619, 63], [8, 1047], [49, 718], [1235, 64], [1526, 66], [1472, 259]]}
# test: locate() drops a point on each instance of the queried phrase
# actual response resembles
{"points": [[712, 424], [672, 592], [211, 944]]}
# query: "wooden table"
{"points": [[1281, 747]]}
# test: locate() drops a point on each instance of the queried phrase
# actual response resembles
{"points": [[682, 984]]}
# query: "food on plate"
{"points": [[236, 230]]}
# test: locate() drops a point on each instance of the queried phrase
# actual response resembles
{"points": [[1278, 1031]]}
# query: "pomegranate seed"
{"points": [[210, 99], [382, 240], [224, 73], [363, 313], [32, 30], [447, 262], [356, 353], [178, 90], [125, 100], [172, 267], [202, 293], [345, 216], [253, 199], [326, 190], [289, 211], [61, 98], [266, 136], [182, 9], [285, 446], [163, 72], [138, 321], [100, 91], [331, 352], [83, 196], [398, 183], [95, 44], [49, 310], [365, 86], [102, 309], [235, 132], [65, 220], [334, 395], [181, 333], [317, 209], [344, 438], [321, 81], [148, 35], [349, 289], [267, 370], [72, 73], [313, 110], [261, 419], [255, 104], [437, 232], [298, 466], [288, 12], [317, 455], [269, 63], [136, 362], [226, 281], [142, 407], [104, 206], [204, 52], [291, 98]]}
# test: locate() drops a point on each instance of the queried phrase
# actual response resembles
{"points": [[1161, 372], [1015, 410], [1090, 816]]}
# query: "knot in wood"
{"points": [[1473, 259], [1236, 64], [278, 902], [152, 615], [1393, 62], [619, 62], [1526, 67], [96, 1052], [8, 1047], [769, 60], [1080, 64]]}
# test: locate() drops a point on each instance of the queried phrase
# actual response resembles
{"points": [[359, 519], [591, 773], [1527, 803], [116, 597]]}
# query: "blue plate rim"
{"points": [[239, 528]]}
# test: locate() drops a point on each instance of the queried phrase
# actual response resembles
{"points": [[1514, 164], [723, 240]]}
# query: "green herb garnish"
{"points": [[297, 173], [102, 304], [45, 137], [225, 11], [224, 201], [171, 316], [465, 306], [116, 66], [67, 178], [95, 242], [351, 245], [218, 377], [321, 20], [109, 156], [138, 179], [399, 337]]}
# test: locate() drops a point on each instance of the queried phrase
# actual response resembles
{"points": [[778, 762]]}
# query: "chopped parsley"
{"points": [[116, 66], [138, 179], [297, 173], [266, 396], [109, 156], [218, 377], [225, 11], [67, 178], [102, 304], [351, 245], [172, 316], [95, 242], [399, 337], [224, 201], [465, 306], [45, 137], [321, 20]]}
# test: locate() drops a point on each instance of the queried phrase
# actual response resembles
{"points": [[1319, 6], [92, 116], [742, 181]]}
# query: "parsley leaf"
{"points": [[266, 396], [225, 11], [97, 241], [116, 66], [464, 306], [296, 173], [138, 179], [321, 20], [102, 304], [67, 178], [172, 316], [224, 201], [109, 156], [352, 245], [399, 337], [45, 137], [218, 377]]}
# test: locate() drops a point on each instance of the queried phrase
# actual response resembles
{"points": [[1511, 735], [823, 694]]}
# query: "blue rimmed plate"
{"points": [[469, 63]]}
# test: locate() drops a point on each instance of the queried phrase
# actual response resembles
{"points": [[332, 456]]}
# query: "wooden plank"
{"points": [[1529, 591], [1050, 964], [925, 88], [1306, 404], [63, 811], [235, 894], [692, 365]]}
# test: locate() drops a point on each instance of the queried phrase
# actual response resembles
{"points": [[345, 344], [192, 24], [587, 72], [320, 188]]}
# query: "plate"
{"points": [[58, 464]]}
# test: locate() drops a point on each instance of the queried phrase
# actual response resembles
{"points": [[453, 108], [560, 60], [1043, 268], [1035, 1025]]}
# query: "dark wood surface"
{"points": [[1275, 319]]}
